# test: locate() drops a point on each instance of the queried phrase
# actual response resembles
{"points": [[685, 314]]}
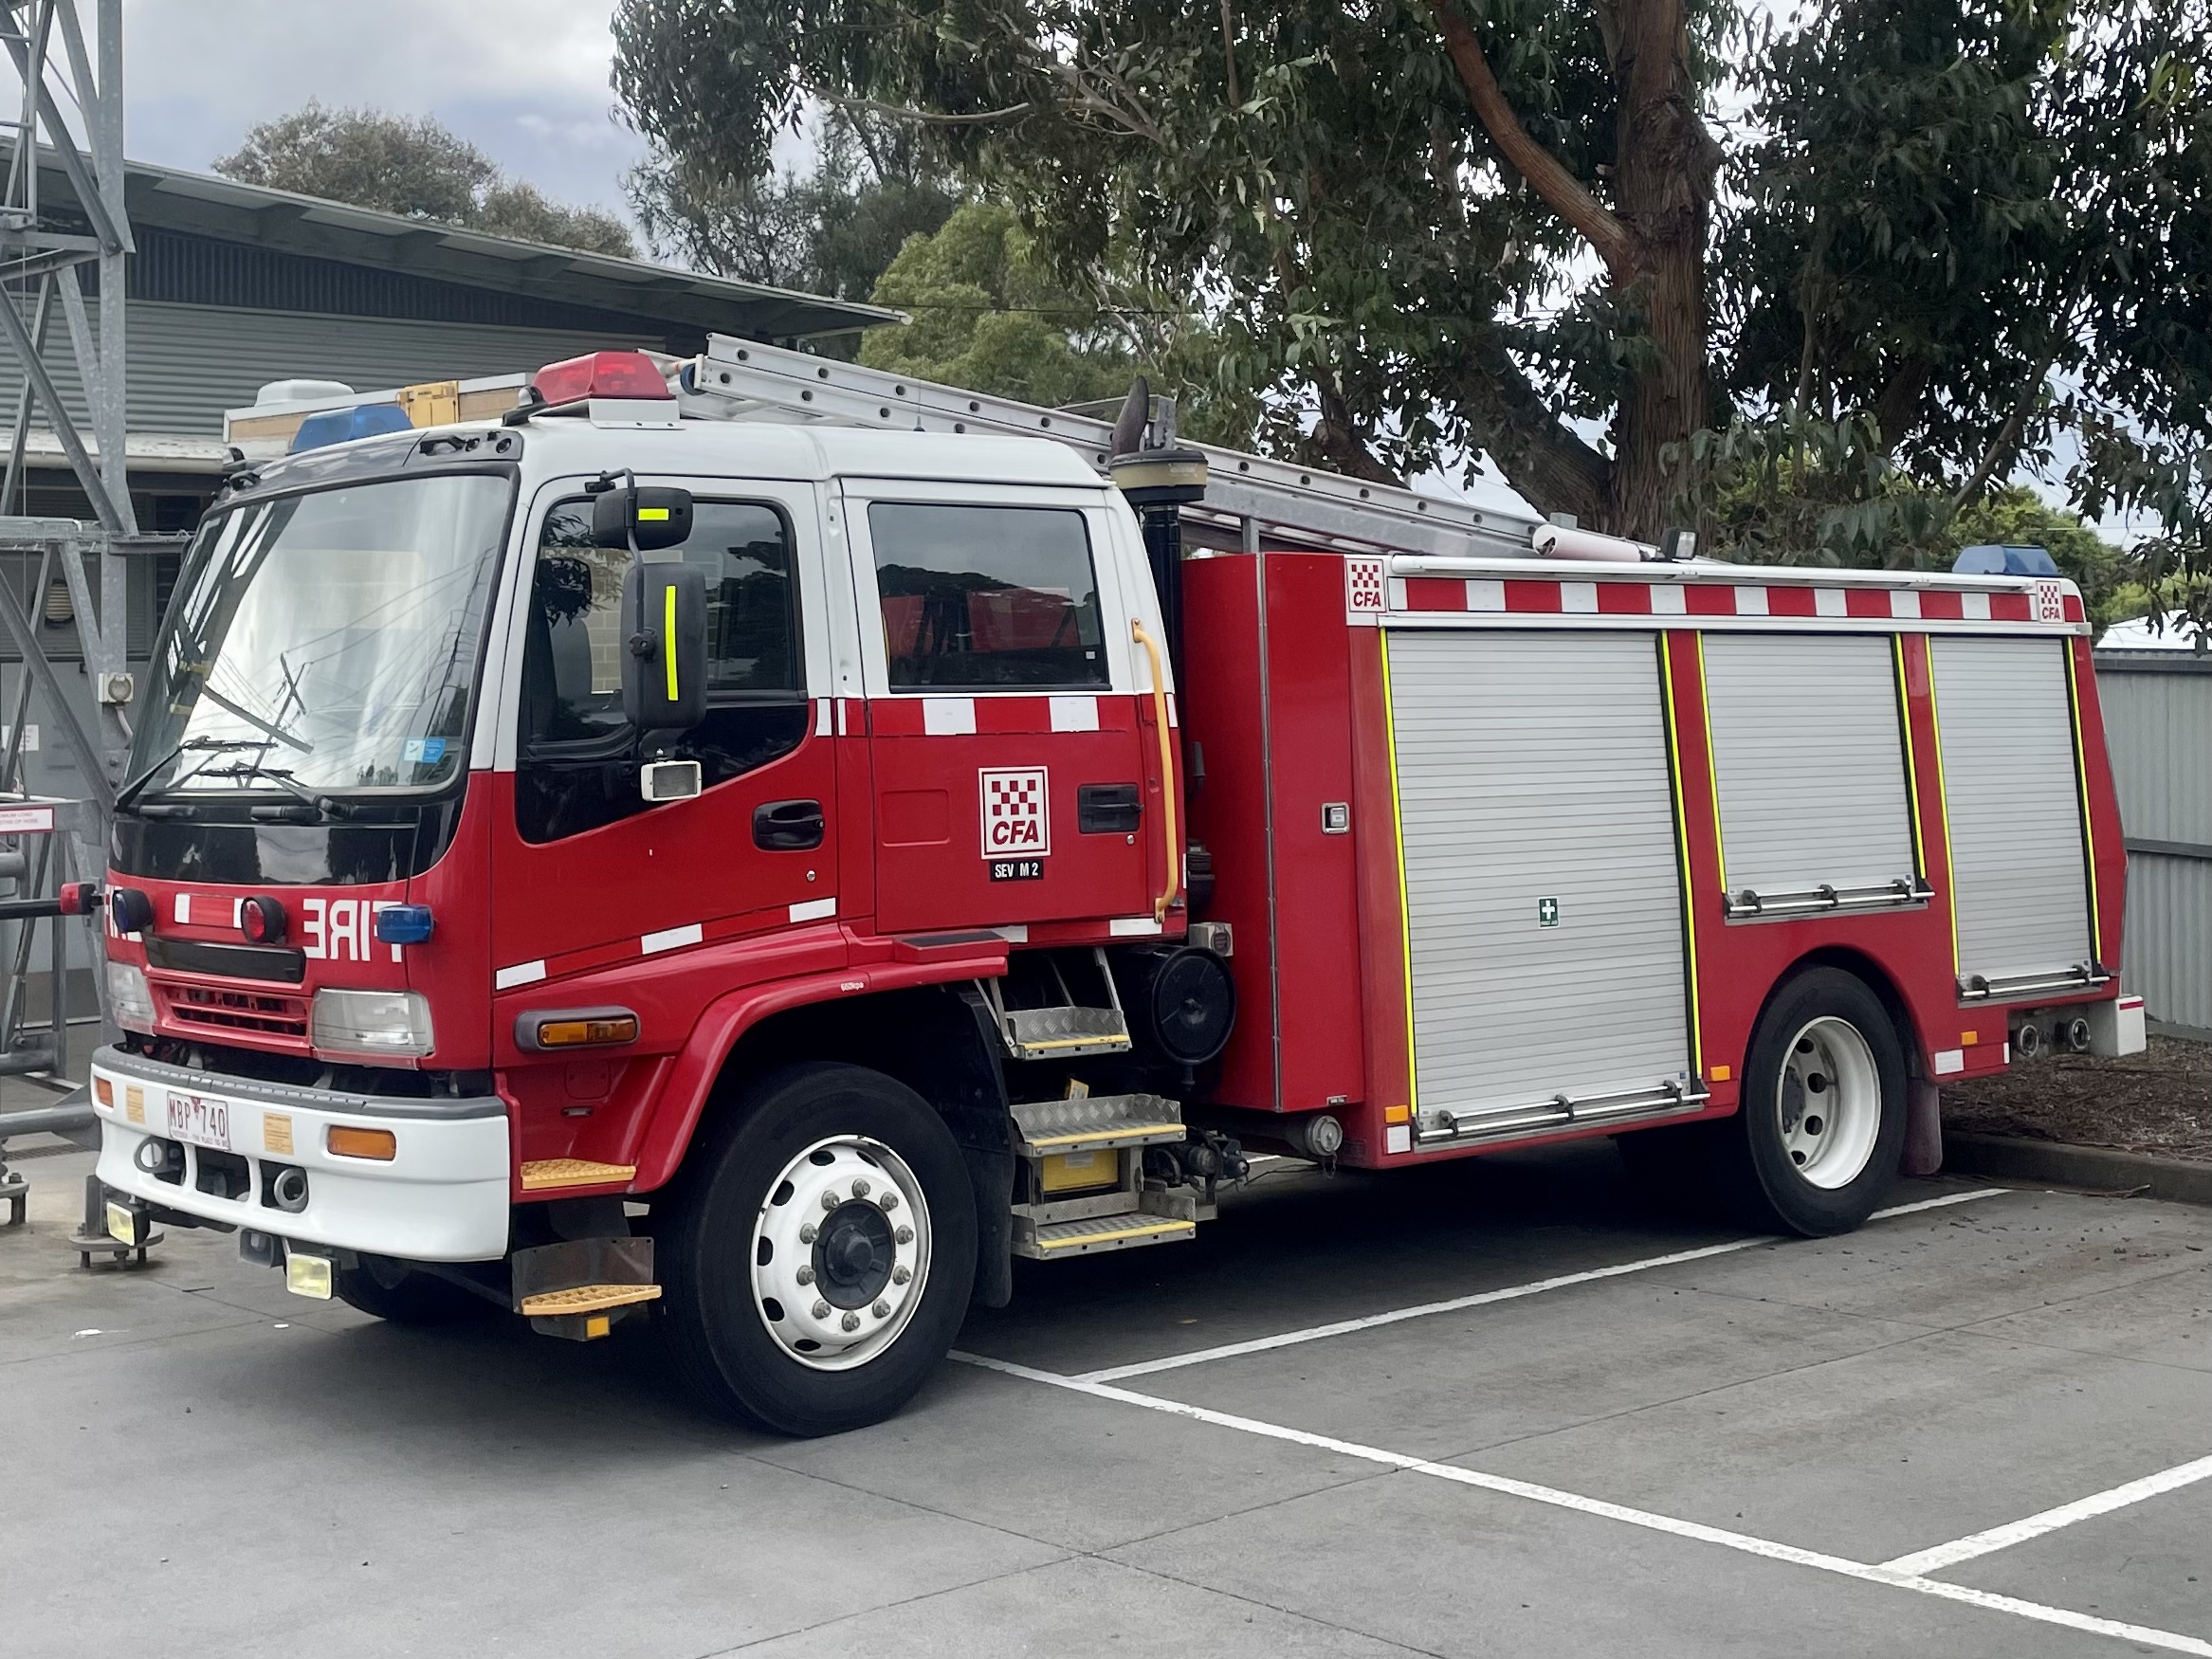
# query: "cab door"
{"points": [[1017, 771], [585, 873]]}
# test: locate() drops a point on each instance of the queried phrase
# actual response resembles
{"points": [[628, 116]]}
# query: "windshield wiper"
{"points": [[282, 777], [131, 790]]}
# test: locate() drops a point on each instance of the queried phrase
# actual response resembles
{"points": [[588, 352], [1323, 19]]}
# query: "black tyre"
{"points": [[1671, 1166], [1816, 1143], [818, 1257], [407, 1296]]}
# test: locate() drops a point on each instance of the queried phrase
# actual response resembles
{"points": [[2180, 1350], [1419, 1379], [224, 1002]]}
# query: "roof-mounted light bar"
{"points": [[627, 375]]}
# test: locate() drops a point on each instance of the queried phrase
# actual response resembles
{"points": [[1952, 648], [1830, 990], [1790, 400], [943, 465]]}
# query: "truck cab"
{"points": [[474, 829]]}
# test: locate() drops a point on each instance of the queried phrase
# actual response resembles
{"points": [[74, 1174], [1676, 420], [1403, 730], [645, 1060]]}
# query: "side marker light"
{"points": [[346, 1141]]}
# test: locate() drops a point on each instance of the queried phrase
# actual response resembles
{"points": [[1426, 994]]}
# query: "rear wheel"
{"points": [[406, 1296], [818, 1262], [1816, 1143]]}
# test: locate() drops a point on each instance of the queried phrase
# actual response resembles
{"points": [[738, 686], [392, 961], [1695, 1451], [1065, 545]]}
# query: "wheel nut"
{"points": [[901, 1273], [882, 1310], [891, 1200], [904, 1235], [860, 1188], [851, 1322], [831, 1200], [806, 1234], [805, 1275], [821, 1310]]}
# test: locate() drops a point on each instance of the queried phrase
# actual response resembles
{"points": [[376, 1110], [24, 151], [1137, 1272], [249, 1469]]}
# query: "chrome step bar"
{"points": [[1442, 1124]]}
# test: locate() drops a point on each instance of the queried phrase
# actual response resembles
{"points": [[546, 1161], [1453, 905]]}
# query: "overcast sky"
{"points": [[525, 81]]}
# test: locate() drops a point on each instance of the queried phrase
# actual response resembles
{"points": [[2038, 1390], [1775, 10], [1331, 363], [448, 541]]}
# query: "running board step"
{"points": [[1096, 1123], [547, 1175], [581, 1289], [587, 1299], [1051, 1240], [1063, 1033]]}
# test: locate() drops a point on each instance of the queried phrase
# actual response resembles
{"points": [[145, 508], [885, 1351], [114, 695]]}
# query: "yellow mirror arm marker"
{"points": [[668, 636]]}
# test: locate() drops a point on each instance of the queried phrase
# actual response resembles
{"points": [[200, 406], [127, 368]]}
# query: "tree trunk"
{"points": [[1652, 241], [1664, 186]]}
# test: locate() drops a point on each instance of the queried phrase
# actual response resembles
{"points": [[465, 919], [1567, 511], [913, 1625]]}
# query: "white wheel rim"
{"points": [[1829, 1100], [840, 1252]]}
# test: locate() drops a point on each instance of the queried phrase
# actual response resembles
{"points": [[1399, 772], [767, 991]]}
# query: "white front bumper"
{"points": [[444, 1198]]}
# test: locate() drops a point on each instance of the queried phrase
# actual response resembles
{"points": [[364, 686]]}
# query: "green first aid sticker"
{"points": [[1547, 911]]}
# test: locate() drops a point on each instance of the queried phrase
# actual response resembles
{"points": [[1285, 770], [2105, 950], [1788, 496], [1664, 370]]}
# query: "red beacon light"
{"points": [[628, 374]]}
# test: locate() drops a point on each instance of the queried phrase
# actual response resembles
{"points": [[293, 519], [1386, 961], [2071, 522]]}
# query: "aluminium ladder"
{"points": [[1247, 496]]}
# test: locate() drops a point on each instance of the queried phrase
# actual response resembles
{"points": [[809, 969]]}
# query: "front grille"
{"points": [[201, 1008]]}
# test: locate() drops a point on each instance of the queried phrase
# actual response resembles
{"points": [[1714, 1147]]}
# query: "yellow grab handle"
{"points": [[1166, 769]]}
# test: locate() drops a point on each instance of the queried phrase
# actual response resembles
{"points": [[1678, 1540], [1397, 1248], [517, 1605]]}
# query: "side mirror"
{"points": [[664, 664], [644, 517]]}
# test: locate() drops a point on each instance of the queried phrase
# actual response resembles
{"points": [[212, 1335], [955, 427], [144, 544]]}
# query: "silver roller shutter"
{"points": [[2014, 807], [1810, 762], [1533, 767]]}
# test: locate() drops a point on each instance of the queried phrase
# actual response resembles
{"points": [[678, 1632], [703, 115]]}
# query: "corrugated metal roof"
{"points": [[188, 363], [227, 211]]}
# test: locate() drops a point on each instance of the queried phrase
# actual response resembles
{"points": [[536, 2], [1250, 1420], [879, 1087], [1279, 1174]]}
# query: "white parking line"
{"points": [[2003, 1538], [2168, 1640], [1483, 1297]]}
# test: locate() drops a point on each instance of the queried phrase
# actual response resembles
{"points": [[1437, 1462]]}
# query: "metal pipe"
{"points": [[49, 1120]]}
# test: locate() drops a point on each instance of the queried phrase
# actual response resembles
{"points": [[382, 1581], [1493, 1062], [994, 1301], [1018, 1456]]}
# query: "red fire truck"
{"points": [[761, 844]]}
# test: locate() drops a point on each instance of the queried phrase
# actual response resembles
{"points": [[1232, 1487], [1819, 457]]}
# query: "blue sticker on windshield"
{"points": [[423, 751]]}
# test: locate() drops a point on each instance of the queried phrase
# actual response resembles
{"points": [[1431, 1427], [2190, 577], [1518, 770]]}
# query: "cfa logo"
{"points": [[1015, 817]]}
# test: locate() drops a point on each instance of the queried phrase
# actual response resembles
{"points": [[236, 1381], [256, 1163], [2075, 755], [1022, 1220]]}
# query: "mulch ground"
{"points": [[2157, 1102]]}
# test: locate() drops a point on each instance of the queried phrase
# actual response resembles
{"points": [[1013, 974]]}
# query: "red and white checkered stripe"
{"points": [[2050, 603]]}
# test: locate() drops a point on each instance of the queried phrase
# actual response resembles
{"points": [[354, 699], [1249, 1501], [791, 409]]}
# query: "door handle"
{"points": [[787, 826], [1107, 809]]}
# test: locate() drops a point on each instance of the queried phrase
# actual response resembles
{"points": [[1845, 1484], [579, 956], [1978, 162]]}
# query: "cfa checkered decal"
{"points": [[1366, 588], [1016, 820]]}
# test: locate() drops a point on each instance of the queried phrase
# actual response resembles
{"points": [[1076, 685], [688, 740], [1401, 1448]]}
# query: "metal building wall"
{"points": [[188, 363], [2158, 724]]}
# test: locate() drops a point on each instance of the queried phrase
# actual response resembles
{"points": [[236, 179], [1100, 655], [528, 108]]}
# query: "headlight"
{"points": [[371, 1024], [129, 997]]}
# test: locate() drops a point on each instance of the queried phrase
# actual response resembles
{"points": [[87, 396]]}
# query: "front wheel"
{"points": [[819, 1260], [1816, 1143]]}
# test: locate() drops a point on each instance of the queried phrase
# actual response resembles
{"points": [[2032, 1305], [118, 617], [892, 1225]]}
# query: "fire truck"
{"points": [[758, 844]]}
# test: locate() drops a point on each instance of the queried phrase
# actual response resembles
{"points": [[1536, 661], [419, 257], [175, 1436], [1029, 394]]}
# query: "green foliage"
{"points": [[986, 314], [1963, 239], [414, 168], [833, 229]]}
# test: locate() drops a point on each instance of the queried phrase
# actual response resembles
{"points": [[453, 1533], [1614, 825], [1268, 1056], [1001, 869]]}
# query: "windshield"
{"points": [[329, 640]]}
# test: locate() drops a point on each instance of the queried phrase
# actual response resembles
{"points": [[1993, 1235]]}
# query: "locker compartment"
{"points": [[2013, 797], [1542, 879]]}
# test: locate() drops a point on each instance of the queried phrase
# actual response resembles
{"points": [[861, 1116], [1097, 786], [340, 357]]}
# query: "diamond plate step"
{"points": [[587, 1299], [1096, 1123], [545, 1174], [1097, 1233], [1060, 1033]]}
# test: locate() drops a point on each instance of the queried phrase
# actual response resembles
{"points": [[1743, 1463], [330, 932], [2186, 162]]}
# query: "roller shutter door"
{"points": [[1810, 762], [2014, 807], [1534, 788]]}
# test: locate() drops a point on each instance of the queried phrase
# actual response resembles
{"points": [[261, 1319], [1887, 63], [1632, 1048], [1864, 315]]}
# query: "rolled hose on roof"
{"points": [[1562, 541]]}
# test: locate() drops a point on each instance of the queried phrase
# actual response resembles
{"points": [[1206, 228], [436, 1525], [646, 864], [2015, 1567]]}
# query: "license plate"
{"points": [[200, 1121]]}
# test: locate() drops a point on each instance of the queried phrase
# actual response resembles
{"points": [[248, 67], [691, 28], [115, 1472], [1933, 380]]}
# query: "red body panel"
{"points": [[933, 856], [1281, 676]]}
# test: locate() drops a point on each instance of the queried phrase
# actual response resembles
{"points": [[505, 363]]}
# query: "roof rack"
{"points": [[1247, 496]]}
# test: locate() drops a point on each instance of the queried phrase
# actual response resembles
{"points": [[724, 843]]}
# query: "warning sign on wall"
{"points": [[1017, 821]]}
